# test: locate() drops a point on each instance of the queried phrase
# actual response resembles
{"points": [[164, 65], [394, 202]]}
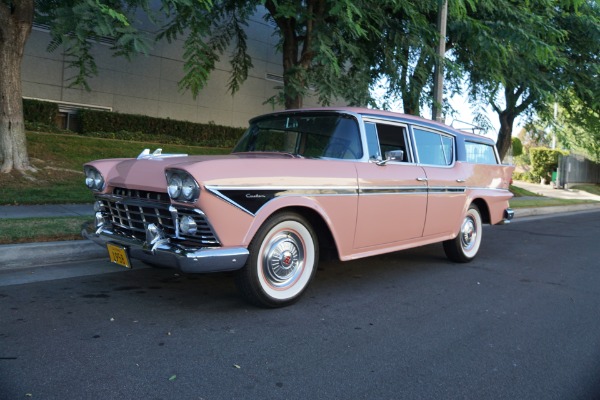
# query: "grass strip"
{"points": [[520, 192], [544, 202], [26, 230]]}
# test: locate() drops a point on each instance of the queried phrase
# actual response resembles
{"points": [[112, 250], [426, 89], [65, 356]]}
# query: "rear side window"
{"points": [[480, 153], [434, 148]]}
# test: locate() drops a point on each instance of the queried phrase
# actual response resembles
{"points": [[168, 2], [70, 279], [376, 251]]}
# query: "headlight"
{"points": [[93, 178], [188, 188], [175, 186], [182, 186]]}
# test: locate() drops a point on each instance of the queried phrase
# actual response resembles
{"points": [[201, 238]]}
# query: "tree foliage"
{"points": [[518, 56], [318, 42], [529, 55]]}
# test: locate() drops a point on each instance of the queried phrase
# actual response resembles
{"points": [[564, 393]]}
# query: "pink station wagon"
{"points": [[350, 182]]}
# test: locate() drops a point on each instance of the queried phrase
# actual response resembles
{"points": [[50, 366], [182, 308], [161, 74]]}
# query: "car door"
{"points": [[392, 197], [436, 154]]}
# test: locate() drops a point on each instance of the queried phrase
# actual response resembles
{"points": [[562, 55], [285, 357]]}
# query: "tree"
{"points": [[532, 53], [317, 40], [406, 55], [74, 24], [318, 45], [16, 19], [577, 128]]}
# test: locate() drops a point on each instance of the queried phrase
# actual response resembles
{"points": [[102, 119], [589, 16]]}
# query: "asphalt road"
{"points": [[520, 322]]}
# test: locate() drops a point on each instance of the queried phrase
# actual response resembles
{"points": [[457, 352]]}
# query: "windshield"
{"points": [[315, 135]]}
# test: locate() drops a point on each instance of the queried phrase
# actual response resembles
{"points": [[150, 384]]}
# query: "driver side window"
{"points": [[383, 138]]}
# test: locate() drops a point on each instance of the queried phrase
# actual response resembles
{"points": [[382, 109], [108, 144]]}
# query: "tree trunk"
{"points": [[16, 19], [295, 62], [504, 141]]}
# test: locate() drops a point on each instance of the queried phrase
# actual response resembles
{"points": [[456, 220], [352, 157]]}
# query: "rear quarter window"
{"points": [[480, 153]]}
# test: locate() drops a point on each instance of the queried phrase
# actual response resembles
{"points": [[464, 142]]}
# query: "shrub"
{"points": [[517, 147], [525, 177], [544, 161], [40, 112]]}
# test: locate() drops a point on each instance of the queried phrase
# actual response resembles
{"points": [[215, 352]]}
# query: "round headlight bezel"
{"points": [[93, 179], [181, 186]]}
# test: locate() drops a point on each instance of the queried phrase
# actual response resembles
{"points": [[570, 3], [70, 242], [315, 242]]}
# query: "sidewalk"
{"points": [[37, 254], [548, 191]]}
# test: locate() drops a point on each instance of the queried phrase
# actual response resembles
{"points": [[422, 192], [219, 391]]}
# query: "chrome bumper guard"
{"points": [[185, 259], [508, 215]]}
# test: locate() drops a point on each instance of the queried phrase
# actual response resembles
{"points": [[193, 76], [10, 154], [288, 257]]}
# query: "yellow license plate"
{"points": [[118, 255]]}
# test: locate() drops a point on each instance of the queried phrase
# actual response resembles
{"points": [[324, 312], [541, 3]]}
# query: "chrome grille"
{"points": [[130, 211]]}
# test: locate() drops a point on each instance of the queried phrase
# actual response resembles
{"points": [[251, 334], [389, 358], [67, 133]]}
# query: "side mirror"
{"points": [[393, 155]]}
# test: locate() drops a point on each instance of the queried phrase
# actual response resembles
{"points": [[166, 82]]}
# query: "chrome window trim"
{"points": [[407, 137]]}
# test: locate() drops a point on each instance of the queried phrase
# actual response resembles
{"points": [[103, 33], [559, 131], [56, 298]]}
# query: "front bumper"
{"points": [[171, 255]]}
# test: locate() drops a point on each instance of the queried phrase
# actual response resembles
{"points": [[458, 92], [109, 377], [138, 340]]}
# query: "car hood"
{"points": [[149, 173]]}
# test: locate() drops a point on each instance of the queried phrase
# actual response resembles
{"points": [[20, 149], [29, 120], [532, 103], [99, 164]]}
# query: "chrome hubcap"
{"points": [[468, 234], [283, 259]]}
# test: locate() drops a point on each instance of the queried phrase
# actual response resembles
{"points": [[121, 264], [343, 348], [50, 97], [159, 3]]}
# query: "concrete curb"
{"points": [[13, 256], [538, 211], [38, 254]]}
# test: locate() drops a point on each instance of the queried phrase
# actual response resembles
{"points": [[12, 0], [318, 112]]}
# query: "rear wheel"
{"points": [[283, 260], [464, 247]]}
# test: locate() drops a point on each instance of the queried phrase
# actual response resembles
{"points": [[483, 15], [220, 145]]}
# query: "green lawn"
{"points": [[59, 159], [590, 188], [41, 229]]}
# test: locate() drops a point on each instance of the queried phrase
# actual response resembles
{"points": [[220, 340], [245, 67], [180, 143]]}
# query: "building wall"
{"points": [[148, 85]]}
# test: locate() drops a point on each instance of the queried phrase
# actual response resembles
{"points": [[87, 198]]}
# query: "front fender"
{"points": [[338, 212]]}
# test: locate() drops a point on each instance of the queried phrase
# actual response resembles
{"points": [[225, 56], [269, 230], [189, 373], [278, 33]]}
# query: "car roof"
{"points": [[369, 112]]}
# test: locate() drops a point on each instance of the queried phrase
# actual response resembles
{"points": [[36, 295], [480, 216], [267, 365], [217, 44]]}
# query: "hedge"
{"points": [[128, 127], [40, 112]]}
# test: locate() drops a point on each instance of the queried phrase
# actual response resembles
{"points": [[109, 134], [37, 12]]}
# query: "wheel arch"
{"points": [[327, 243], [484, 210]]}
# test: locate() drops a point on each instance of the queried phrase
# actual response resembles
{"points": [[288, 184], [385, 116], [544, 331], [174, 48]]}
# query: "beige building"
{"points": [[147, 85]]}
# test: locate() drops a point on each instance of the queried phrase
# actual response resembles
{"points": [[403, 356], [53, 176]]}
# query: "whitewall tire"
{"points": [[283, 260], [465, 246]]}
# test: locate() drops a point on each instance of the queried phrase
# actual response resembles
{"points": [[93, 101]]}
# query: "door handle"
{"points": [[461, 180], [422, 179]]}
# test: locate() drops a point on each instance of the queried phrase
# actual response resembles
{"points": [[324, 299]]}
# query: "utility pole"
{"points": [[438, 79]]}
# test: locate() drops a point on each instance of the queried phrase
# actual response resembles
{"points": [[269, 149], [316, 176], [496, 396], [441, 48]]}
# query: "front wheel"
{"points": [[464, 247], [283, 260]]}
